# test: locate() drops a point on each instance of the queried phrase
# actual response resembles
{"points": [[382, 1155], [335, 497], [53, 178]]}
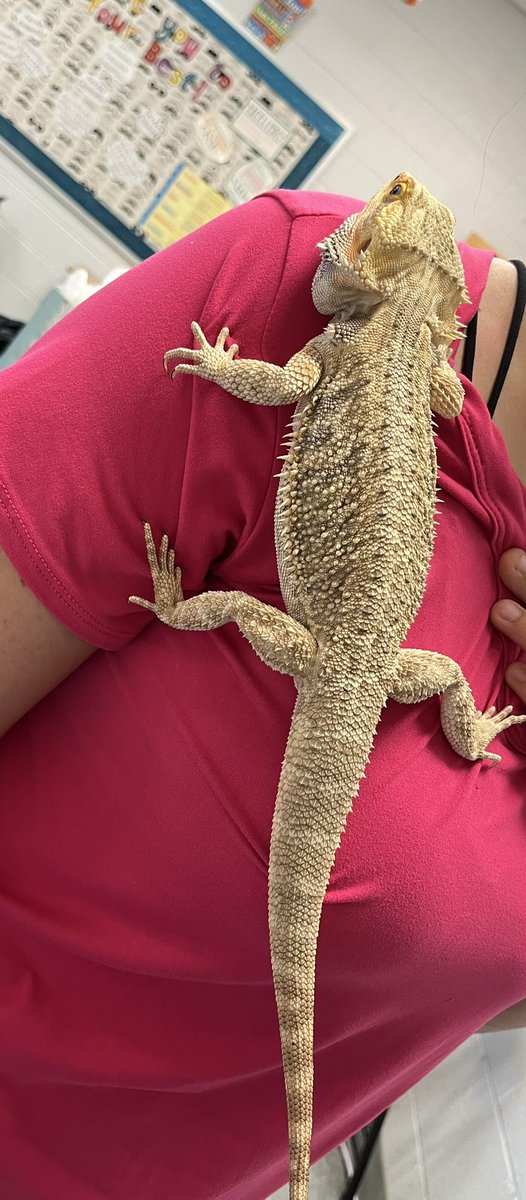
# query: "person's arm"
{"points": [[494, 317], [95, 439], [495, 313], [36, 651], [515, 580]]}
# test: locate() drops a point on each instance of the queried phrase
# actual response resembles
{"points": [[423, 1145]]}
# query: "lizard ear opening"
{"points": [[447, 393]]}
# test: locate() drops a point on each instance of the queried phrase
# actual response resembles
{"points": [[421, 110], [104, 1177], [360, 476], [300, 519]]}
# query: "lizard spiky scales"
{"points": [[354, 531]]}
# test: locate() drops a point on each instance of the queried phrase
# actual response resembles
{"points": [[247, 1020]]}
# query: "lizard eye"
{"points": [[397, 190]]}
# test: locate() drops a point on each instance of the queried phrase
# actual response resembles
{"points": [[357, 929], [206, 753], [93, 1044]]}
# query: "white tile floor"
{"points": [[459, 1134], [327, 1179]]}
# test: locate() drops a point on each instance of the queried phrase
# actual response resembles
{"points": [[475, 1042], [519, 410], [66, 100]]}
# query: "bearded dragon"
{"points": [[354, 534]]}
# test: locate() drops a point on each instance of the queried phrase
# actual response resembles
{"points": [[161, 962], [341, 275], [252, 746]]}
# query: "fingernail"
{"points": [[521, 564], [518, 671], [509, 611]]}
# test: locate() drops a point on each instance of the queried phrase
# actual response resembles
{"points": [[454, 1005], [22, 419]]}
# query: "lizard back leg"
{"points": [[420, 674], [280, 641]]}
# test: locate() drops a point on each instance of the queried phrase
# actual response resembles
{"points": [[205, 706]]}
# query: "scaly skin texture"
{"points": [[354, 531]]}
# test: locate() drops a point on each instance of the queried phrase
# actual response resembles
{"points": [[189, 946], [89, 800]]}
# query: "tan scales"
{"points": [[354, 533]]}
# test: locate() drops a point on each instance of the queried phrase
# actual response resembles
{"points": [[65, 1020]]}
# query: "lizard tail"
{"points": [[294, 990], [319, 780]]}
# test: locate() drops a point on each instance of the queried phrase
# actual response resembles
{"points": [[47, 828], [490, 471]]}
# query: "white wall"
{"points": [[41, 235], [424, 88]]}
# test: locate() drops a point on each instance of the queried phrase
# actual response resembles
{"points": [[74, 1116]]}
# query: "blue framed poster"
{"points": [[154, 116]]}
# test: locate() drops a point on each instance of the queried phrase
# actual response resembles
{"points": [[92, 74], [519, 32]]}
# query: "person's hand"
{"points": [[515, 580]]}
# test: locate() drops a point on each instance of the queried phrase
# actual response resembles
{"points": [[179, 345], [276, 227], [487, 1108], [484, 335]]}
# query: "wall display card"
{"points": [[154, 116], [272, 21]]}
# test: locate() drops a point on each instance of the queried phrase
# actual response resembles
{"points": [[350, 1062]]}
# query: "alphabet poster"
{"points": [[154, 116]]}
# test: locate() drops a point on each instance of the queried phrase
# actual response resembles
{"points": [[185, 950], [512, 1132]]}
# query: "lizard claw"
{"points": [[179, 352]]}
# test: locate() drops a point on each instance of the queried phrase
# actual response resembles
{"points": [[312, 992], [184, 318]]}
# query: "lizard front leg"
{"points": [[251, 380], [420, 674], [446, 391], [277, 638]]}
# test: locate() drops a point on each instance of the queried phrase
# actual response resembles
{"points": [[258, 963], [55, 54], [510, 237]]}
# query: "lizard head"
{"points": [[403, 231]]}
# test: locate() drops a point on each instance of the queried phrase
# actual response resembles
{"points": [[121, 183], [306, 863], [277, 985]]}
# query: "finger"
{"points": [[171, 561], [221, 338], [515, 676], [232, 350], [510, 618], [512, 570], [199, 335], [150, 549], [182, 352], [163, 552], [143, 603], [178, 352], [185, 369]]}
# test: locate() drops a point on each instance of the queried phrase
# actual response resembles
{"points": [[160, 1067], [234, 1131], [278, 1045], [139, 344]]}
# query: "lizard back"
{"points": [[350, 517]]}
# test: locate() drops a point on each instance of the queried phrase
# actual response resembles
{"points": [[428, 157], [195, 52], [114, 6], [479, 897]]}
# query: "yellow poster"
{"points": [[185, 204]]}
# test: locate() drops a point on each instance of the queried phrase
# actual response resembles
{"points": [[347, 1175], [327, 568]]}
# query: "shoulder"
{"points": [[498, 298], [310, 215], [494, 316], [305, 203]]}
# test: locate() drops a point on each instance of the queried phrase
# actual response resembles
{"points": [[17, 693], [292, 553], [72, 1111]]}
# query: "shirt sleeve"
{"points": [[95, 438]]}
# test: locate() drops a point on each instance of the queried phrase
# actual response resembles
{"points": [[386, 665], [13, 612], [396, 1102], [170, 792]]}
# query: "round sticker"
{"points": [[214, 137]]}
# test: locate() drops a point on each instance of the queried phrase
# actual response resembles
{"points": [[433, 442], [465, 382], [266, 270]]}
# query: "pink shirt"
{"points": [[139, 1044]]}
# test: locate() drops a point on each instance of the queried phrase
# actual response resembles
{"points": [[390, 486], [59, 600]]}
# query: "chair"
{"points": [[370, 1133]]}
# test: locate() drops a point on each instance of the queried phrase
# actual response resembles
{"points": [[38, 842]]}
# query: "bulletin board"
{"points": [[154, 116]]}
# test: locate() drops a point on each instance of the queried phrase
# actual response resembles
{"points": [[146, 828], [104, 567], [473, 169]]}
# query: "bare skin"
{"points": [[495, 312], [36, 651]]}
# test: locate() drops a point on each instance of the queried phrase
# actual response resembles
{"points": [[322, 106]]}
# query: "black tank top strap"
{"points": [[469, 348], [513, 332]]}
